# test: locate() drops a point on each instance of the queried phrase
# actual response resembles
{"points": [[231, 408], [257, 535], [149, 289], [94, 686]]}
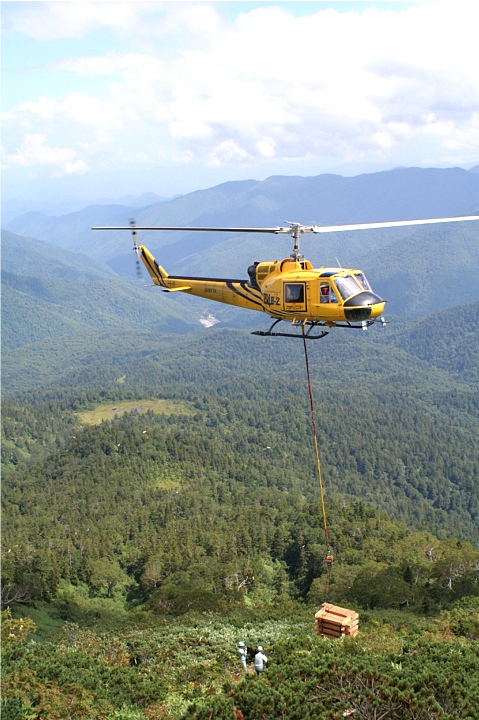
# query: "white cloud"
{"points": [[58, 20], [225, 152], [35, 151], [44, 108], [264, 86]]}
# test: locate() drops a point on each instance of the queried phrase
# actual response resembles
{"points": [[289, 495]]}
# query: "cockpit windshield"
{"points": [[348, 286], [361, 278]]}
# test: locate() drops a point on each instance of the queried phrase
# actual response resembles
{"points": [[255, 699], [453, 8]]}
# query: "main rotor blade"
{"points": [[395, 223], [297, 228], [200, 229]]}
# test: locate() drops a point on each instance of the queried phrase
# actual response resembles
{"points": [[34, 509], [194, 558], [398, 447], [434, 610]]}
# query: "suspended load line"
{"points": [[329, 557]]}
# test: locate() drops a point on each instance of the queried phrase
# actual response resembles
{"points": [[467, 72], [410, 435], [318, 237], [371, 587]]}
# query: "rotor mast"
{"points": [[295, 231]]}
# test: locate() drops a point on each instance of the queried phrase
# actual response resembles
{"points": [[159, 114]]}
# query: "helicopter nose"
{"points": [[360, 306], [362, 299]]}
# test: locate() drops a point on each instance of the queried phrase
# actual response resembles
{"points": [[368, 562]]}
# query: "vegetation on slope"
{"points": [[146, 546], [35, 309], [400, 665], [34, 258]]}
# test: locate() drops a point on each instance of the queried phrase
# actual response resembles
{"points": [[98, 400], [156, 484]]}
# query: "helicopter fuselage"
{"points": [[286, 289]]}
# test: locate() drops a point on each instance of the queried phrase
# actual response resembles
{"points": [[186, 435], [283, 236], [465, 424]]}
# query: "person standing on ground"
{"points": [[242, 651], [259, 660]]}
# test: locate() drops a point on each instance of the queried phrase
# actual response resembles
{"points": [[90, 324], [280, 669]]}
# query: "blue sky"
{"points": [[101, 99]]}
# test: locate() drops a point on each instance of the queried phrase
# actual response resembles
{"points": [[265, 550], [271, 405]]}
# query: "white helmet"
{"points": [[241, 644], [260, 649]]}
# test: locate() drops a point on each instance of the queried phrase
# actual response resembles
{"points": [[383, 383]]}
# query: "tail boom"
{"points": [[230, 292]]}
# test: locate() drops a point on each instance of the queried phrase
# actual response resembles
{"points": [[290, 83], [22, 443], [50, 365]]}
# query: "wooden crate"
{"points": [[333, 621]]}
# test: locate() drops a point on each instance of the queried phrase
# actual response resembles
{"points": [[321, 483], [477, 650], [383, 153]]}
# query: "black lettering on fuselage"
{"points": [[269, 299]]}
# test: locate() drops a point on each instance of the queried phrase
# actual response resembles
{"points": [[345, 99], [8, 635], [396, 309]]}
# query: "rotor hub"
{"points": [[295, 230]]}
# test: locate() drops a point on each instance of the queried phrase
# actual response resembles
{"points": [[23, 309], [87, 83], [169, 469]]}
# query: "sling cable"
{"points": [[329, 557]]}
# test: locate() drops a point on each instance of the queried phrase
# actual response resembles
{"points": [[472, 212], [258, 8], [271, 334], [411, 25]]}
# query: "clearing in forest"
{"points": [[107, 411]]}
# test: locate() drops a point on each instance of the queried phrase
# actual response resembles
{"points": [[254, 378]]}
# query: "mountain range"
{"points": [[418, 270], [400, 194]]}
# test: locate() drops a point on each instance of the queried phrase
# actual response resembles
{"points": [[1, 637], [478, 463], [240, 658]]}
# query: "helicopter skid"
{"points": [[367, 323], [307, 335], [268, 333]]}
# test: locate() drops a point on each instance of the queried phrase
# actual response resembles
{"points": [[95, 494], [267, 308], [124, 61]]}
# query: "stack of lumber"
{"points": [[333, 621]]}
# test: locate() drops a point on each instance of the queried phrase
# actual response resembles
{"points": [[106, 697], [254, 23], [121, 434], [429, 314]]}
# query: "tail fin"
{"points": [[156, 272]]}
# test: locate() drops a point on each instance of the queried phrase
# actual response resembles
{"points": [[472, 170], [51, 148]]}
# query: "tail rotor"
{"points": [[139, 274]]}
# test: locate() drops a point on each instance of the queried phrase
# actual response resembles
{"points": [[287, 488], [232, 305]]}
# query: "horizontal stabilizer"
{"points": [[177, 289]]}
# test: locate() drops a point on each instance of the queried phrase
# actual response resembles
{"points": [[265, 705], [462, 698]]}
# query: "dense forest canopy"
{"points": [[396, 432]]}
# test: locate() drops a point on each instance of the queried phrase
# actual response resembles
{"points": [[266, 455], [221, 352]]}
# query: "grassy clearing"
{"points": [[107, 411]]}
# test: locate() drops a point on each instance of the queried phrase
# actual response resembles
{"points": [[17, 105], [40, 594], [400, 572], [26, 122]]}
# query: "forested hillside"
{"points": [[160, 499], [447, 340], [398, 430], [31, 258], [140, 487], [393, 431], [34, 309], [168, 537], [52, 293]]}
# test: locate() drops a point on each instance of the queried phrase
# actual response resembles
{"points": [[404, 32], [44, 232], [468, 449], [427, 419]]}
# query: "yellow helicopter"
{"points": [[290, 289]]}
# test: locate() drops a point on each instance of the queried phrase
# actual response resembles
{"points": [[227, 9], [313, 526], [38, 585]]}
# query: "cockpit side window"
{"points": [[294, 293], [326, 293], [347, 286]]}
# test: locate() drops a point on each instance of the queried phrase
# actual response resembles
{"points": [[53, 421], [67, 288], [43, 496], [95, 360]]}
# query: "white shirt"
{"points": [[259, 659]]}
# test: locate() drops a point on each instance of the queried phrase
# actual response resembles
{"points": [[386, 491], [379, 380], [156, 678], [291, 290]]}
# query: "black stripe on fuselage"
{"points": [[254, 292], [251, 297]]}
